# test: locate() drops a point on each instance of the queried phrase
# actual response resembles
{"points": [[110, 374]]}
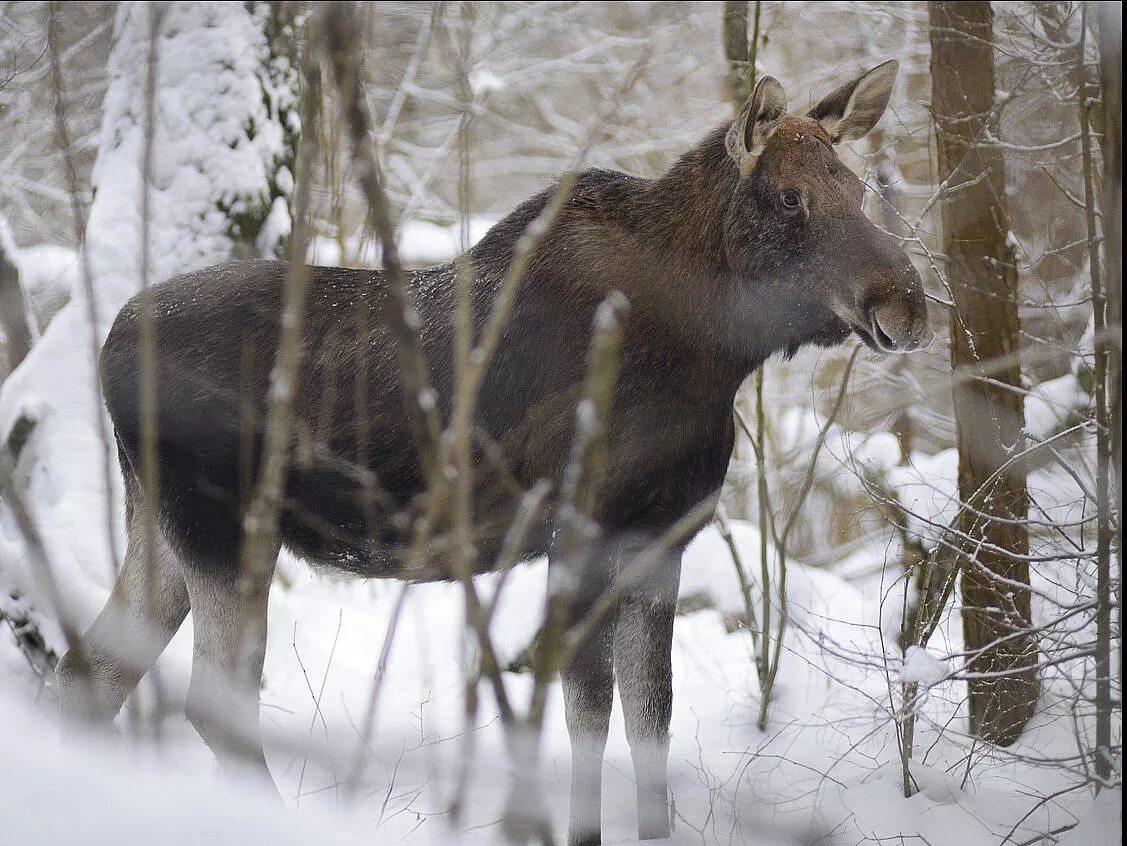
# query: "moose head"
{"points": [[796, 221]]}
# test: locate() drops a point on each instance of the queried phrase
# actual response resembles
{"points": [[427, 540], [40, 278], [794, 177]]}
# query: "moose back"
{"points": [[753, 243]]}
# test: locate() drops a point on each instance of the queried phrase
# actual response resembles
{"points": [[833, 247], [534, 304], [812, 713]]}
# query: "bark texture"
{"points": [[985, 342]]}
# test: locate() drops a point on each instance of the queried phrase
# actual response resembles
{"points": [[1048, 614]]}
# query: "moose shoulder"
{"points": [[753, 243]]}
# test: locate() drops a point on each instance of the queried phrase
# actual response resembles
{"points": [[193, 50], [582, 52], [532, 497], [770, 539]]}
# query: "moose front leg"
{"points": [[643, 640], [588, 692]]}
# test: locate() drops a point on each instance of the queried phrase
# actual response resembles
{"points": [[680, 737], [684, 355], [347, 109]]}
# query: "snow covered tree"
{"points": [[222, 146], [206, 179]]}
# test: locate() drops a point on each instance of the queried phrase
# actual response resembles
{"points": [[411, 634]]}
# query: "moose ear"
{"points": [[758, 118], [852, 110]]}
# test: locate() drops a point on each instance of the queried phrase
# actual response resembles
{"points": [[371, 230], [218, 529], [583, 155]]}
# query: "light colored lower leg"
{"points": [[223, 698], [148, 604], [588, 688], [643, 642]]}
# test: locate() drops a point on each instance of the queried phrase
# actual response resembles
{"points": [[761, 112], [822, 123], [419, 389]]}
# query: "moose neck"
{"points": [[693, 197]]}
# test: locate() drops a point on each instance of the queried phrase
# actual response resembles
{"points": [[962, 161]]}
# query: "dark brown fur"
{"points": [[716, 283]]}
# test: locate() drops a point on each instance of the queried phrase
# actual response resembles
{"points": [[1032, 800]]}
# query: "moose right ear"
{"points": [[758, 118], [849, 112]]}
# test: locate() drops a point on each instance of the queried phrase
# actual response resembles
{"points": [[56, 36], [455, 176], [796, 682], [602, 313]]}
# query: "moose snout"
{"points": [[897, 319]]}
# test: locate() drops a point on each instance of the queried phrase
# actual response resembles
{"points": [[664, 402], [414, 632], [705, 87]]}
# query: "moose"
{"points": [[753, 243]]}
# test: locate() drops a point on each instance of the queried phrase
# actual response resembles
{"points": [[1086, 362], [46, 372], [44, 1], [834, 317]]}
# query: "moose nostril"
{"points": [[883, 339]]}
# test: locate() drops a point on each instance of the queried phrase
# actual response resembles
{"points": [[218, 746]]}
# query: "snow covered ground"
{"points": [[826, 770]]}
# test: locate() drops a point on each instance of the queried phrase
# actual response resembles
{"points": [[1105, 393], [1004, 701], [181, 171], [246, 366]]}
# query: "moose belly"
{"points": [[333, 523]]}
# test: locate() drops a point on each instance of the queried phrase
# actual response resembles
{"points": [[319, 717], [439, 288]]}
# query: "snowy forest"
{"points": [[788, 332]]}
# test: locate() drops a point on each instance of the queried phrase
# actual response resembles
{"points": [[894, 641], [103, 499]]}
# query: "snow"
{"points": [[928, 490], [817, 597], [275, 229], [827, 717], [921, 667], [48, 274], [1053, 404], [1103, 825], [91, 791], [420, 242], [484, 81], [877, 452], [7, 242]]}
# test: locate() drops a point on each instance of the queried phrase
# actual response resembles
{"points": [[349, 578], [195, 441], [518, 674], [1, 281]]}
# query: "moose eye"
{"points": [[790, 200]]}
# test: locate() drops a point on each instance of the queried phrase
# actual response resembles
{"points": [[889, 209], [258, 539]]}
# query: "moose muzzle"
{"points": [[896, 319]]}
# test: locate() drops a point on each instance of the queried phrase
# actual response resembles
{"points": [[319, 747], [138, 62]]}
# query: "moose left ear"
{"points": [[849, 112], [757, 120]]}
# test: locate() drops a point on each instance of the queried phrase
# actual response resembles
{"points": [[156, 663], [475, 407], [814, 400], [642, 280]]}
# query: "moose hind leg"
{"points": [[223, 697], [643, 641], [147, 606], [588, 692]]}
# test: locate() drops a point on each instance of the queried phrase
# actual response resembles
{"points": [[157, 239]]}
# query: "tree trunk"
{"points": [[1110, 34], [1107, 320], [741, 74], [989, 417]]}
